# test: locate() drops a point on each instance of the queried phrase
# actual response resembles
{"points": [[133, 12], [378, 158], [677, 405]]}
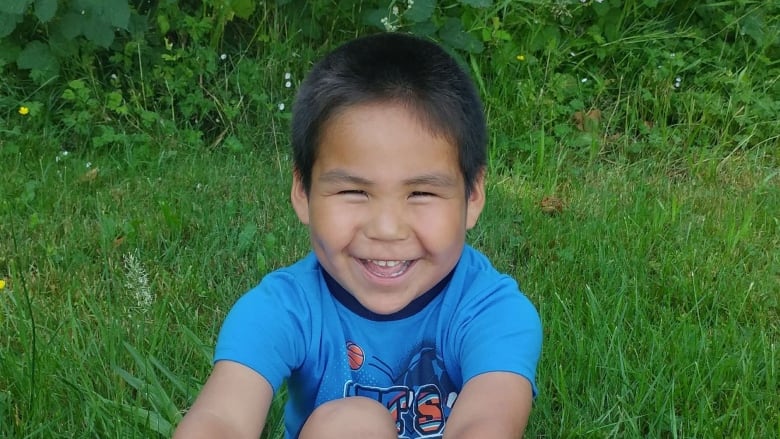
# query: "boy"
{"points": [[393, 327]]}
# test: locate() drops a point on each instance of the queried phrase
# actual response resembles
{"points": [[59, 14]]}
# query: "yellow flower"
{"points": [[2, 284], [24, 111], [521, 57]]}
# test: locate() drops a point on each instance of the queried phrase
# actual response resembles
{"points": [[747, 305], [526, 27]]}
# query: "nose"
{"points": [[386, 222]]}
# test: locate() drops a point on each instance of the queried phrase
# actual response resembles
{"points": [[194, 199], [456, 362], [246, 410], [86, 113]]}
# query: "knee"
{"points": [[353, 417]]}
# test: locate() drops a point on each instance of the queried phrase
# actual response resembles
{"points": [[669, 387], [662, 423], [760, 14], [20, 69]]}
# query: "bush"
{"points": [[107, 70]]}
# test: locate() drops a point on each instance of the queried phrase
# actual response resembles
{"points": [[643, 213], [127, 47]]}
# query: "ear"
{"points": [[299, 198], [476, 200]]}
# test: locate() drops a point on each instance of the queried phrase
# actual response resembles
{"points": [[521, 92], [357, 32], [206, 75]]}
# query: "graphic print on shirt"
{"points": [[420, 397]]}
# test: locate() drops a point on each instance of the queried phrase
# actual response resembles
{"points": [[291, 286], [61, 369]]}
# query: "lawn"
{"points": [[640, 214]]}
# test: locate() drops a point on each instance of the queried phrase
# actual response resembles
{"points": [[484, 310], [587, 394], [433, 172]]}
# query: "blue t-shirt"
{"points": [[299, 324]]}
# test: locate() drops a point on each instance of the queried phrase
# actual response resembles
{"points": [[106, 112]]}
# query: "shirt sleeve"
{"points": [[265, 330], [499, 330]]}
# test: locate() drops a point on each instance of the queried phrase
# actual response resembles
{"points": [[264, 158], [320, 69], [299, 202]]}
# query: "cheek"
{"points": [[332, 223], [441, 228]]}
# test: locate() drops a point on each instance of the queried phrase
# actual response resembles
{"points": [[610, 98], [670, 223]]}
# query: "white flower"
{"points": [[288, 84], [390, 27], [223, 56], [287, 75], [584, 80], [395, 10], [88, 164], [113, 76], [409, 4], [281, 106]]}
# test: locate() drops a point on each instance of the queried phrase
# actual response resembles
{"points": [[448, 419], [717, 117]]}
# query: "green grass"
{"points": [[658, 283]]}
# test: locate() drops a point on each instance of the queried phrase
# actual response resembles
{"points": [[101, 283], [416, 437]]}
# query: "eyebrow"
{"points": [[342, 176], [336, 176]]}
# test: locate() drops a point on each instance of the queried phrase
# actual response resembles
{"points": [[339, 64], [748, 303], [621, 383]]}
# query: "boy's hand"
{"points": [[493, 405], [233, 403]]}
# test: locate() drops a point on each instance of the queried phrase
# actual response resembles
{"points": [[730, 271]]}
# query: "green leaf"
{"points": [[117, 12], [243, 8], [424, 29], [9, 51], [99, 32], [453, 34], [37, 56], [373, 17], [45, 10], [8, 23], [17, 7], [420, 11], [163, 23], [477, 3], [753, 26], [247, 236], [70, 25]]}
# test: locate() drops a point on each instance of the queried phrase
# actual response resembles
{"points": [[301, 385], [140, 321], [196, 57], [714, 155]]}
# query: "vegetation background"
{"points": [[634, 192]]}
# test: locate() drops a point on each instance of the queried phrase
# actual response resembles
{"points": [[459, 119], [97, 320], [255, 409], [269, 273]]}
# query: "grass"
{"points": [[658, 282]]}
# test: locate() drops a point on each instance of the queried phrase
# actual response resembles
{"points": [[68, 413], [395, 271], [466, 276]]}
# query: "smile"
{"points": [[386, 269]]}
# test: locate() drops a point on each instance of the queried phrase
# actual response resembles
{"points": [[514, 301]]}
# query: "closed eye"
{"points": [[422, 194], [352, 192]]}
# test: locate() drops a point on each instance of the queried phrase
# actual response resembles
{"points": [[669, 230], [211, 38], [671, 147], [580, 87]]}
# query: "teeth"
{"points": [[385, 263]]}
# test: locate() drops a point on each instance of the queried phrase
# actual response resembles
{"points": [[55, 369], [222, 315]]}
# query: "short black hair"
{"points": [[397, 68]]}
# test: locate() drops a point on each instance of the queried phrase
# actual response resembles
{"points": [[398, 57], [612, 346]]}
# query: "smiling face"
{"points": [[387, 209]]}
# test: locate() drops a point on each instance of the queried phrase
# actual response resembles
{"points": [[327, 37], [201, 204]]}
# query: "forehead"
{"points": [[385, 139]]}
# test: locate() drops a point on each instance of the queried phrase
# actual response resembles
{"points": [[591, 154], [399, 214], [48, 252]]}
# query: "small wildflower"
{"points": [[584, 80], [223, 56], [113, 77], [281, 106], [288, 84], [390, 27], [24, 111], [288, 76], [395, 10], [410, 3], [521, 57], [2, 284], [88, 165]]}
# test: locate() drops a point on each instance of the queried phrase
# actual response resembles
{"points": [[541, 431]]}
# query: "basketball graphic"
{"points": [[355, 356]]}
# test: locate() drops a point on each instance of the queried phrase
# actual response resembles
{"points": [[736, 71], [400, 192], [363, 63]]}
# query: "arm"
{"points": [[492, 405], [234, 403]]}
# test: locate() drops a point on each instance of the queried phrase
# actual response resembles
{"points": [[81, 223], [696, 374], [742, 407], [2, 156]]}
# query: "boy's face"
{"points": [[387, 210]]}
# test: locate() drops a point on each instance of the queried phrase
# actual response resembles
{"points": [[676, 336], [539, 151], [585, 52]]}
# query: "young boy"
{"points": [[393, 327]]}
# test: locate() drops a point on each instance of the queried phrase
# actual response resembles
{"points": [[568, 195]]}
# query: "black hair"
{"points": [[398, 68]]}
